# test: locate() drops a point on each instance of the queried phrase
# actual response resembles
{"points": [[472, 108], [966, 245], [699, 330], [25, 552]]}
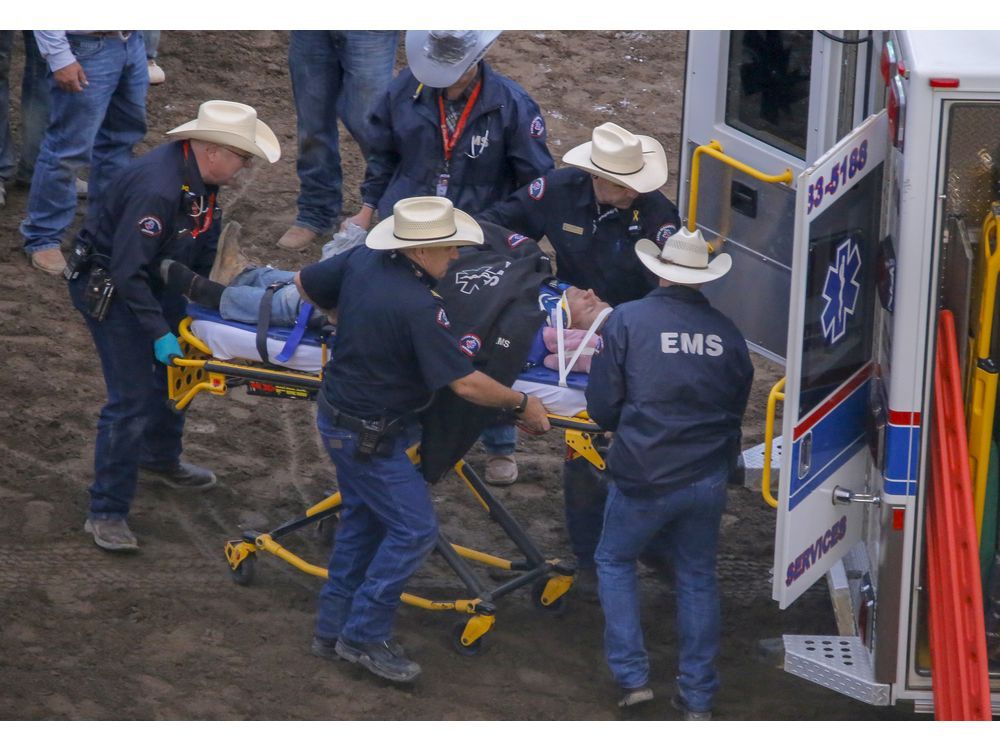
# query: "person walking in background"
{"points": [[335, 74], [98, 115]]}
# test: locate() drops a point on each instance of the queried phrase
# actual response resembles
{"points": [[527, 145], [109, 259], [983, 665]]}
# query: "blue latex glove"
{"points": [[167, 346]]}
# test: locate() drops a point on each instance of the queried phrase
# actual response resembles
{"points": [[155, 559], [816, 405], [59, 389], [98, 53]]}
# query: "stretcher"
{"points": [[219, 354]]}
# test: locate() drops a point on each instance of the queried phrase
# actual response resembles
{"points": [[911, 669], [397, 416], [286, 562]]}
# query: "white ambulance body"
{"points": [[839, 272]]}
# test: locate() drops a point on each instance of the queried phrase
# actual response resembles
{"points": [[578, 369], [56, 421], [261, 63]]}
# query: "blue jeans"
{"points": [[585, 490], [98, 126], [136, 427], [152, 41], [500, 440], [334, 74], [387, 529], [241, 299], [34, 108], [687, 520]]}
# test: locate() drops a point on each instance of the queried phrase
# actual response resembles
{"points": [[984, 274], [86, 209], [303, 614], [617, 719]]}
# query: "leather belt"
{"points": [[348, 422], [123, 35]]}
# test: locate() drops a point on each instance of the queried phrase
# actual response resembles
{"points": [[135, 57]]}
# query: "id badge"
{"points": [[442, 185]]}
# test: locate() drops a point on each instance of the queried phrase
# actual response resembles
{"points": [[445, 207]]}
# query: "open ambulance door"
{"points": [[826, 477]]}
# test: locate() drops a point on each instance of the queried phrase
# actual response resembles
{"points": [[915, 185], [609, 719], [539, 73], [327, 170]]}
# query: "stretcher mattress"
{"points": [[231, 340]]}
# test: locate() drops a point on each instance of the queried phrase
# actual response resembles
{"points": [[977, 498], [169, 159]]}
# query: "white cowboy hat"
{"points": [[684, 259], [231, 124], [635, 161], [425, 221], [439, 58]]}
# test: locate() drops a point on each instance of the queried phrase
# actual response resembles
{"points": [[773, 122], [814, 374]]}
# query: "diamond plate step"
{"points": [[839, 663], [753, 464]]}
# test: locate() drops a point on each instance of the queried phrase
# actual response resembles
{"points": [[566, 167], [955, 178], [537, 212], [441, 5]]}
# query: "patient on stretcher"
{"points": [[241, 287]]}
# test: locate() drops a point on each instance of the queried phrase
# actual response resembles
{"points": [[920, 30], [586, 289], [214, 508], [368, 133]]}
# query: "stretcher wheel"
{"points": [[243, 574], [455, 640], [555, 608]]}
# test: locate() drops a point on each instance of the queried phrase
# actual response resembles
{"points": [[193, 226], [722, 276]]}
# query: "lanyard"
{"points": [[449, 143], [207, 222]]}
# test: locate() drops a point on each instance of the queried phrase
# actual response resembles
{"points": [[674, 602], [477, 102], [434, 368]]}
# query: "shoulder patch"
{"points": [[537, 188], [151, 226], [516, 239], [442, 318], [664, 233], [470, 344], [537, 127]]}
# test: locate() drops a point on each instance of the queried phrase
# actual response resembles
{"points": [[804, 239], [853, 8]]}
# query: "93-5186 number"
{"points": [[840, 174]]}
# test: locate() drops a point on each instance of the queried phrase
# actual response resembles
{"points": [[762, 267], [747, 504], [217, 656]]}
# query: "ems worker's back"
{"points": [[672, 380]]}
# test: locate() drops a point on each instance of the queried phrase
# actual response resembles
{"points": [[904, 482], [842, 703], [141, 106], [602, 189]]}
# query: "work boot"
{"points": [[156, 74], [297, 238], [49, 260], [632, 697], [382, 658], [501, 470], [112, 534], [184, 476], [678, 703], [325, 647], [229, 258], [3, 195]]}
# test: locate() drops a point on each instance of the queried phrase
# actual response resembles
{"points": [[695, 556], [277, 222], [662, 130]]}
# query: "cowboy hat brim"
{"points": [[265, 143], [652, 176], [440, 75], [467, 232], [648, 253]]}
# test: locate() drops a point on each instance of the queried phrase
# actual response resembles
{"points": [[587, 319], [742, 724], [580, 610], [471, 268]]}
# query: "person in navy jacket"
{"points": [[672, 381], [449, 126]]}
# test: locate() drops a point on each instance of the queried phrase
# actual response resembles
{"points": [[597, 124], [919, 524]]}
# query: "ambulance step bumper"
{"points": [[840, 663], [752, 462]]}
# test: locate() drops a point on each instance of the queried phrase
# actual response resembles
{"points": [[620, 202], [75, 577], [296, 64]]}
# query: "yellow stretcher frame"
{"points": [[983, 375], [197, 372]]}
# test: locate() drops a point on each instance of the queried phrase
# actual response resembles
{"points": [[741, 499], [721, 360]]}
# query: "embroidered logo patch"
{"points": [[442, 318], [537, 188], [664, 233], [151, 226], [516, 239], [470, 344], [537, 127]]}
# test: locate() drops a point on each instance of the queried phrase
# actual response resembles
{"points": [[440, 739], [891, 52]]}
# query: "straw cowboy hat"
{"points": [[684, 259], [231, 124], [439, 58], [425, 221], [635, 161]]}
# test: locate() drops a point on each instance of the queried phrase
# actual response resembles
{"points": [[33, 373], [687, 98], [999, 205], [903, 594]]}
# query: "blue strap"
{"points": [[292, 343]]}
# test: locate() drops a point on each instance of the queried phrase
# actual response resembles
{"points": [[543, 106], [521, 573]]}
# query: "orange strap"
{"points": [[449, 143]]}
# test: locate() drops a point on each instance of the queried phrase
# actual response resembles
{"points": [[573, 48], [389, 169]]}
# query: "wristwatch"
{"points": [[519, 409]]}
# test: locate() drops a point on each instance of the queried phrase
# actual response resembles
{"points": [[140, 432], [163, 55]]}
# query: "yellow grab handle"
{"points": [[777, 394], [714, 149]]}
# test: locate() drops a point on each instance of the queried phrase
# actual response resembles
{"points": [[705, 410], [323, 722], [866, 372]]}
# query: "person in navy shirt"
{"points": [[163, 205], [394, 348], [450, 126], [593, 212], [672, 381]]}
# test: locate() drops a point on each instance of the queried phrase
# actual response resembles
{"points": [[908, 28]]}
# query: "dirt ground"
{"points": [[165, 634]]}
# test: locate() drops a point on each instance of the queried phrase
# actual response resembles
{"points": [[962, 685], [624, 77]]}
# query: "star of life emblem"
{"points": [[841, 290]]}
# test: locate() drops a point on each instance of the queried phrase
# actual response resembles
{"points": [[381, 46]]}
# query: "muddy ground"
{"points": [[165, 634]]}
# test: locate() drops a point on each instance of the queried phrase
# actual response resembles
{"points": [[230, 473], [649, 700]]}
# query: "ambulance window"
{"points": [[841, 290], [767, 93]]}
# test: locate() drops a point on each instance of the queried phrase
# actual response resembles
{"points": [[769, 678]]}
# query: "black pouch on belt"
{"points": [[100, 290]]}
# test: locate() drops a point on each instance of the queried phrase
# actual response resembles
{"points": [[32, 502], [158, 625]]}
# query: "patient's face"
{"points": [[584, 306]]}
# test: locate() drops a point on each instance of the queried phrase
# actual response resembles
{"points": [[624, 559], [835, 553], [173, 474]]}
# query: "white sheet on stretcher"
{"points": [[234, 342]]}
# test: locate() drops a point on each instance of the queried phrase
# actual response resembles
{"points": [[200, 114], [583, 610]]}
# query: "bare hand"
{"points": [[71, 78], [362, 218], [534, 419]]}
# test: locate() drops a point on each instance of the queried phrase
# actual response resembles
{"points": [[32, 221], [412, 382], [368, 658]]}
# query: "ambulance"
{"points": [[854, 178]]}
